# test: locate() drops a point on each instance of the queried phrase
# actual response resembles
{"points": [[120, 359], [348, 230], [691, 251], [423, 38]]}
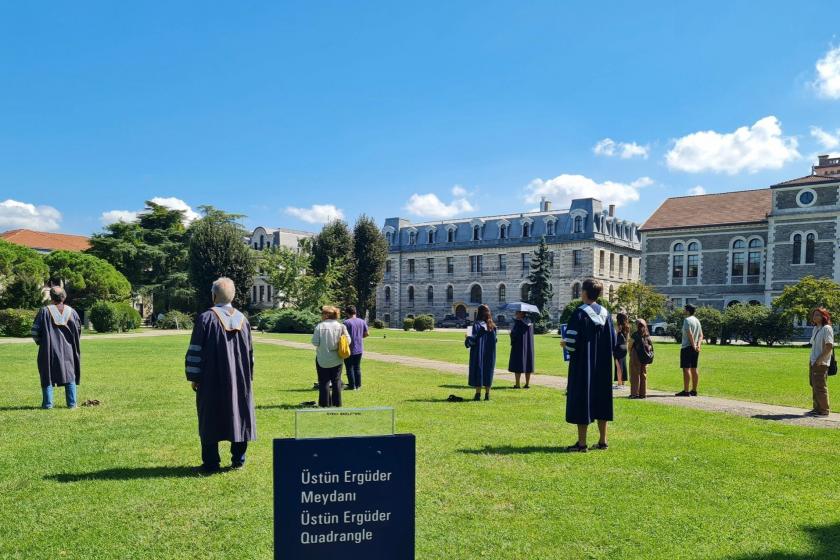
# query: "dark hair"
{"points": [[593, 288], [642, 328], [485, 315], [350, 310], [57, 294], [623, 323], [826, 316], [690, 309]]}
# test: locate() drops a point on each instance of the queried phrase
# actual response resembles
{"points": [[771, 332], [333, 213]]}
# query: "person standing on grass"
{"points": [[641, 353], [692, 339], [590, 340], [822, 349], [220, 366], [325, 339], [56, 331], [482, 344], [622, 334], [358, 330], [521, 349]]}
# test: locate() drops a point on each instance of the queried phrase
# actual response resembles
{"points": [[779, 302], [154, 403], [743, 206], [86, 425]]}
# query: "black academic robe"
{"points": [[57, 333], [521, 347], [220, 359], [590, 339], [482, 344]]}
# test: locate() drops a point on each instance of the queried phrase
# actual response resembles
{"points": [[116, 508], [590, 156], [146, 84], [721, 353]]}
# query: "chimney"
{"points": [[612, 210], [545, 205]]}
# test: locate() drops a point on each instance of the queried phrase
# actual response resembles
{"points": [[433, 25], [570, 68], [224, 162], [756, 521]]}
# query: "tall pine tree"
{"points": [[370, 251], [332, 249], [540, 293]]}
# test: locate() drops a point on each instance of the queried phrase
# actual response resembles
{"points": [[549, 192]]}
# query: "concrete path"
{"points": [[783, 414]]}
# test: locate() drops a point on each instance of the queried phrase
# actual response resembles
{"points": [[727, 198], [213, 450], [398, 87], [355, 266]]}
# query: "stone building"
{"points": [[262, 239], [450, 267], [745, 246]]}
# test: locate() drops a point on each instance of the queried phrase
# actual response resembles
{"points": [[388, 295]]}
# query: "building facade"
{"points": [[262, 239], [451, 267], [745, 247]]}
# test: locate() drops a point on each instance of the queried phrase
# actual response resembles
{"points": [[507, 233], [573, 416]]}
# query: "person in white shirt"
{"points": [[822, 349], [327, 361], [692, 339]]}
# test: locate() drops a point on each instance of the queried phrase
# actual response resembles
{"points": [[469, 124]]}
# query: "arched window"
{"points": [[685, 262], [549, 227], [739, 260], [412, 237], [450, 235], [411, 295], [755, 302], [733, 303], [810, 240], [525, 292], [387, 295], [430, 295], [389, 237], [476, 233], [578, 224], [450, 294], [526, 230], [475, 294], [431, 237], [756, 249], [797, 248], [678, 263], [503, 231], [576, 291], [502, 293], [612, 293]]}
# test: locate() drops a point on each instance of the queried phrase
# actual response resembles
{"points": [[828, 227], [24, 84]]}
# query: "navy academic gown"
{"points": [[521, 347], [57, 335], [590, 339], [482, 356], [221, 359]]}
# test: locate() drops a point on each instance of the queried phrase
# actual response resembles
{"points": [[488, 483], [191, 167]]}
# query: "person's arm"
{"points": [[572, 334], [365, 333], [690, 336], [37, 328], [193, 365], [251, 350], [828, 345], [346, 333], [316, 336]]}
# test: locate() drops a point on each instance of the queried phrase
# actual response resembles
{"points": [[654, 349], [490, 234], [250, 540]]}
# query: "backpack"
{"points": [[344, 347], [645, 356], [832, 367]]}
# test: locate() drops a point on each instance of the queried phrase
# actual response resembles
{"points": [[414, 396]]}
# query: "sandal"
{"points": [[600, 446], [576, 448]]}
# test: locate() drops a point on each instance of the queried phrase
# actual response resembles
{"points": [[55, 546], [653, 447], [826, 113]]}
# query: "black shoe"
{"points": [[487, 396], [576, 448], [517, 387], [237, 465], [693, 393], [682, 394], [600, 446], [477, 397], [209, 469], [527, 386], [634, 397]]}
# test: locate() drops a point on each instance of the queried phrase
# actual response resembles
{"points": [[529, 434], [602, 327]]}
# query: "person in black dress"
{"points": [[482, 345], [522, 349], [622, 336]]}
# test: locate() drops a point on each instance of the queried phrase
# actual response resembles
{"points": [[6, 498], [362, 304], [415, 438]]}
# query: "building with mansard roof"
{"points": [[450, 267], [262, 239]]}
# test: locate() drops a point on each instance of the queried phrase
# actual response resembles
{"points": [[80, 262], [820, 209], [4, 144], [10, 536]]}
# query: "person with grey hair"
{"points": [[220, 366], [56, 331]]}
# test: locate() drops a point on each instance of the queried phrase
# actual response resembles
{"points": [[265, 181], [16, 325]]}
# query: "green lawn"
{"points": [[760, 374], [115, 481]]}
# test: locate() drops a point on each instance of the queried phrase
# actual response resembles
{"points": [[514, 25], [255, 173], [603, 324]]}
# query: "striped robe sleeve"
{"points": [[38, 328], [192, 363], [572, 333]]}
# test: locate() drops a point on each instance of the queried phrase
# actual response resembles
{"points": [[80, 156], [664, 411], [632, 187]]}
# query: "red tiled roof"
{"points": [[808, 180], [742, 207], [43, 241]]}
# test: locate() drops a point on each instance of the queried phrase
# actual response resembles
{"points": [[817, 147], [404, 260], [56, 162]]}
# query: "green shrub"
{"points": [[106, 316], [408, 323], [575, 303], [288, 321], [424, 323], [129, 317], [378, 324], [16, 322], [711, 320], [175, 320], [541, 327]]}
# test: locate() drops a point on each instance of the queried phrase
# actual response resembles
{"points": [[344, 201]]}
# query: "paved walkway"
{"points": [[783, 414]]}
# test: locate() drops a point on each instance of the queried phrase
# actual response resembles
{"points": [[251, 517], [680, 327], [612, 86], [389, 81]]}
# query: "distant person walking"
{"points": [[325, 339], [692, 339], [522, 349], [482, 344], [56, 331], [220, 365], [641, 355], [358, 330], [822, 350], [622, 335], [590, 340]]}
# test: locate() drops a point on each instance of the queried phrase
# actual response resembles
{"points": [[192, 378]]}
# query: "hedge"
{"points": [[424, 323], [378, 324], [288, 321], [114, 317], [175, 320], [408, 323], [17, 322]]}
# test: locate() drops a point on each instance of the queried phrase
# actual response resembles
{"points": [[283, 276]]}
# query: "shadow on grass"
{"points": [[443, 400], [127, 473], [307, 390], [286, 406], [826, 541], [511, 450], [13, 408], [779, 417], [466, 387]]}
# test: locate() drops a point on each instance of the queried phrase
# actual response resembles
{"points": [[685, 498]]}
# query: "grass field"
{"points": [[115, 481], [760, 374]]}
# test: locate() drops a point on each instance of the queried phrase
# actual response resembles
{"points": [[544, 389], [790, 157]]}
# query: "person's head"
{"points": [[623, 322], [521, 315], [641, 327], [57, 294], [820, 316], [690, 309], [485, 315], [591, 290], [330, 313], [350, 311], [223, 291]]}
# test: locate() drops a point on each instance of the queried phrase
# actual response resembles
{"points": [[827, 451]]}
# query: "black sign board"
{"points": [[349, 498]]}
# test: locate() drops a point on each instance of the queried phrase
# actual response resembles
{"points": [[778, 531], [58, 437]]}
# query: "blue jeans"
{"points": [[210, 453], [69, 395], [353, 365]]}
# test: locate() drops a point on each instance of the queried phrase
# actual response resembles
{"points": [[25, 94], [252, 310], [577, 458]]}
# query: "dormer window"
{"points": [[389, 237], [412, 237], [549, 227], [526, 230], [430, 237], [450, 235], [476, 233], [578, 224], [503, 231]]}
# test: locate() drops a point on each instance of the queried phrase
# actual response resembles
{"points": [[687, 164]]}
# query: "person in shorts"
{"points": [[692, 339]]}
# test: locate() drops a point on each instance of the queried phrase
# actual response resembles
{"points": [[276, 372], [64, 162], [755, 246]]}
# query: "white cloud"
{"points": [[564, 188], [696, 191], [828, 140], [22, 215], [750, 148], [317, 213], [625, 150], [827, 83], [459, 192], [430, 206], [113, 216]]}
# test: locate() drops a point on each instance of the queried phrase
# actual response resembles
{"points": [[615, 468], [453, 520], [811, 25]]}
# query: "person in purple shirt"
{"points": [[358, 330]]}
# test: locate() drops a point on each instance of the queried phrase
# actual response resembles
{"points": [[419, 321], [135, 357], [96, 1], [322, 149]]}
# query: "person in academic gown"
{"points": [[522, 349], [56, 331], [482, 344], [591, 342], [220, 365]]}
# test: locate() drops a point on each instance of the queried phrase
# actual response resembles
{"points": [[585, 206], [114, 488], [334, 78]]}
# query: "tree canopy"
{"points": [[370, 251], [332, 249], [539, 280], [87, 278], [798, 300], [23, 274], [640, 301]]}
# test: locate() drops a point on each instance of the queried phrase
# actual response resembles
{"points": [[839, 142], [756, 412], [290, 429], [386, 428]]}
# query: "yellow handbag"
{"points": [[344, 347]]}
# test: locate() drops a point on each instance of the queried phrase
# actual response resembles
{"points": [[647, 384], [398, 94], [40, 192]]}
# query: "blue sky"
{"points": [[282, 110]]}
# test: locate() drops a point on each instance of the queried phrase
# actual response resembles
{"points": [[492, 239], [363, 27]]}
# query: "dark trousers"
{"points": [[354, 371], [210, 452], [329, 385]]}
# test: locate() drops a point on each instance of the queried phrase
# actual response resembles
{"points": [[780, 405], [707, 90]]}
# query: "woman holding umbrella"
{"points": [[521, 346]]}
